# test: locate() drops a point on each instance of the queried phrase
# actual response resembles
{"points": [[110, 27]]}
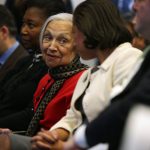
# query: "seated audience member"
{"points": [[18, 87], [53, 95], [109, 125], [10, 49], [35, 15], [55, 89], [116, 58]]}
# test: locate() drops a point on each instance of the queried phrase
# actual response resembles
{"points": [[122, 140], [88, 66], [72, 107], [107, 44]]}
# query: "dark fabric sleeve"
{"points": [[108, 126]]}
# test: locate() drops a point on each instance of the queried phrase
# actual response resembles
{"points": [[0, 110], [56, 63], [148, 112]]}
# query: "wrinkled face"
{"points": [[32, 23], [58, 43], [141, 19]]}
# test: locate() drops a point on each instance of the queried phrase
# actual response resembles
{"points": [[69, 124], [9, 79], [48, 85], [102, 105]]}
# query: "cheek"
{"points": [[78, 41], [78, 38], [68, 57], [44, 46], [34, 35]]}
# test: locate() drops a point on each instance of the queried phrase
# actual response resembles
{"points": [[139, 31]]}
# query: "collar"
{"points": [[7, 54], [91, 63]]}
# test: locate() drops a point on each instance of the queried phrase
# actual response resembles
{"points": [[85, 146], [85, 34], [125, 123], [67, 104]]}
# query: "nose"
{"points": [[52, 45], [135, 6]]}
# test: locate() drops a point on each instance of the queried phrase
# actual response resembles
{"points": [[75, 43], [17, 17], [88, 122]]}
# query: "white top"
{"points": [[111, 73], [137, 131], [80, 138], [91, 62]]}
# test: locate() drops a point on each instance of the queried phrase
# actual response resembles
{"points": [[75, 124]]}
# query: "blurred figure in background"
{"points": [[72, 4], [138, 41], [35, 15], [10, 49], [19, 85]]}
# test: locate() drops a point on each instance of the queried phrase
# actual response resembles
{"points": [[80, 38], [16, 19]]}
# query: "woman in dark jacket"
{"points": [[19, 85]]}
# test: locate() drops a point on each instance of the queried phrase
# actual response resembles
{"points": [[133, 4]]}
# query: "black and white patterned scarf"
{"points": [[59, 74]]}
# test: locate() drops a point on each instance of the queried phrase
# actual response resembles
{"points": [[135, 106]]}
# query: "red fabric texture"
{"points": [[57, 107]]}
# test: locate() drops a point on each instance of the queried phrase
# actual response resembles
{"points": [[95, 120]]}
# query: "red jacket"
{"points": [[57, 107]]}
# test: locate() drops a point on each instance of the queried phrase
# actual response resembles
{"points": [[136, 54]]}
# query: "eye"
{"points": [[31, 25], [47, 38], [63, 41]]}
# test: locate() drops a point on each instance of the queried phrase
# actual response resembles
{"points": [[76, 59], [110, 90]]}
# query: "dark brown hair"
{"points": [[101, 23], [7, 19]]}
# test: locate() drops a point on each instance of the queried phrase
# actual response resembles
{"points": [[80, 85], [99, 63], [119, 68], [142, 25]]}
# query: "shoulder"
{"points": [[45, 78], [126, 55], [127, 50], [21, 51], [72, 81]]}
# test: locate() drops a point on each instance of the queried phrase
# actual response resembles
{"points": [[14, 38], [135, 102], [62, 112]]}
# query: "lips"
{"points": [[26, 43], [25, 40], [52, 56]]}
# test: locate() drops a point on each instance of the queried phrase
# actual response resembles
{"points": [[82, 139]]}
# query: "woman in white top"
{"points": [[98, 27]]}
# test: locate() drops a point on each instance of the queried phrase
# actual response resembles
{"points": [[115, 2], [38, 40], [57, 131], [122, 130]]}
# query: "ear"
{"points": [[4, 32]]}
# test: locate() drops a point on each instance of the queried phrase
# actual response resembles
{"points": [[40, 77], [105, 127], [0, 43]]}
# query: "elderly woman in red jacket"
{"points": [[53, 95], [54, 92]]}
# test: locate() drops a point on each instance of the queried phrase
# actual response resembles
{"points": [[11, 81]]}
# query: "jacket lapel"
{"points": [[81, 85]]}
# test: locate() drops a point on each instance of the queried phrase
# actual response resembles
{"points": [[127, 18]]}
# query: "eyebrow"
{"points": [[64, 33]]}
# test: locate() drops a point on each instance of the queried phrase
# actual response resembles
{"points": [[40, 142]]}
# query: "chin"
{"points": [[51, 65]]}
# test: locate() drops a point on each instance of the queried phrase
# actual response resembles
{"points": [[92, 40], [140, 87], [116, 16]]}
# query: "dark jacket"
{"points": [[18, 54], [109, 125], [16, 93]]}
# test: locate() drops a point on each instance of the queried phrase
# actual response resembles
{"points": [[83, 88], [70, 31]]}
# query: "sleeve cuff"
{"points": [[80, 137]]}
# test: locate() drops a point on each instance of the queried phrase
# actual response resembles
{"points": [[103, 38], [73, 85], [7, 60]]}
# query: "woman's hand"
{"points": [[5, 131], [46, 140]]}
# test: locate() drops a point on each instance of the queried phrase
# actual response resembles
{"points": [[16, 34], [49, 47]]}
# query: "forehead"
{"points": [[34, 14], [60, 25]]}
